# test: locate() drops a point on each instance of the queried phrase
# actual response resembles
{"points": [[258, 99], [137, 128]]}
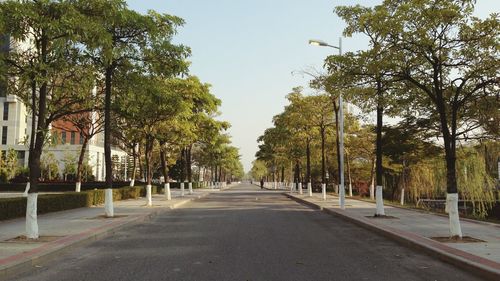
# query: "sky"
{"points": [[253, 52]]}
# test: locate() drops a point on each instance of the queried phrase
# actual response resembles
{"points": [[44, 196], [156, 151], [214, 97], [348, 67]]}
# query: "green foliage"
{"points": [[258, 170], [70, 163], [427, 180], [49, 166]]}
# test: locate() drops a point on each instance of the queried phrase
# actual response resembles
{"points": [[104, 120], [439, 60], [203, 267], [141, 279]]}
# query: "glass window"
{"points": [[63, 137], [81, 138], [5, 111], [4, 135], [73, 138]]}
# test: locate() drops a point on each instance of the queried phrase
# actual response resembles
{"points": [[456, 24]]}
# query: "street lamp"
{"points": [[341, 125]]}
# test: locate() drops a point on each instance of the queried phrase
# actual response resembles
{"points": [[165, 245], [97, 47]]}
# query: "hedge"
{"points": [[59, 186], [70, 186], [16, 207]]}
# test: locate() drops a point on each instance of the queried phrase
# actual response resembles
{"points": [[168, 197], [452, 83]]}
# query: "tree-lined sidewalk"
{"points": [[479, 250], [61, 230]]}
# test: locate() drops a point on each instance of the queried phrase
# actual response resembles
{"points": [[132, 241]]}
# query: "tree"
{"points": [[448, 60], [127, 39], [44, 73], [452, 59], [87, 124], [149, 101]]}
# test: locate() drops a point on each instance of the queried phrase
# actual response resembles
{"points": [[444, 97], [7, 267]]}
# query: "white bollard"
{"points": [[78, 187], [190, 185], [182, 189], [323, 190], [291, 187], [300, 188], [309, 189], [168, 195]]}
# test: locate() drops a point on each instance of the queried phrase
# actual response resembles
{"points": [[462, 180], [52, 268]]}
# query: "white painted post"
{"points": [[309, 189], [148, 195], [323, 190], [182, 189], [168, 195], [190, 185], [379, 201], [78, 186], [31, 216], [108, 203], [300, 188], [402, 196], [452, 210]]}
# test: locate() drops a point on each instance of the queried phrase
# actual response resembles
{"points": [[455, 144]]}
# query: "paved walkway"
{"points": [[419, 227], [71, 227]]}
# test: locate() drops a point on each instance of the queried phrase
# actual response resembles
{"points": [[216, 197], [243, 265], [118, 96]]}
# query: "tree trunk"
{"points": [[108, 204], [139, 160], [183, 165], [149, 168], [163, 160], [337, 137], [308, 160], [450, 149], [379, 169], [372, 180], [349, 173], [134, 165], [189, 171], [79, 168], [283, 173]]}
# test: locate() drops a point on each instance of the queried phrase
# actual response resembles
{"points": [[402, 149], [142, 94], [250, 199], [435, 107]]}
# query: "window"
{"points": [[5, 111], [4, 135], [63, 137], [81, 138], [73, 138]]}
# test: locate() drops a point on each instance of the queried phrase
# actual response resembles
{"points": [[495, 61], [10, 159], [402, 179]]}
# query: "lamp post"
{"points": [[341, 126]]}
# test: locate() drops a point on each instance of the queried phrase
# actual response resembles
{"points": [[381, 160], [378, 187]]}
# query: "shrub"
{"points": [[16, 207]]}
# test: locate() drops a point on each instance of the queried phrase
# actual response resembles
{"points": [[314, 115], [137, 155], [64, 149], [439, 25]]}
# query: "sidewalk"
{"points": [[415, 228], [67, 229]]}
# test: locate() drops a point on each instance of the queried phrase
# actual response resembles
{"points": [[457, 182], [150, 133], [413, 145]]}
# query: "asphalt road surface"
{"points": [[245, 234]]}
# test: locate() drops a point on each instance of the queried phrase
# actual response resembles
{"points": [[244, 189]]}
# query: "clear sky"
{"points": [[252, 52]]}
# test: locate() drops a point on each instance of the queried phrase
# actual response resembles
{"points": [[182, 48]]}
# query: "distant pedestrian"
{"points": [[262, 183]]}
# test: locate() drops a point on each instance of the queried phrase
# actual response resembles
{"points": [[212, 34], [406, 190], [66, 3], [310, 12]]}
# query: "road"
{"points": [[245, 234]]}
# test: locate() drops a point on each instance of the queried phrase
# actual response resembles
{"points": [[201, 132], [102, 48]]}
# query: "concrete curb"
{"points": [[50, 250], [477, 265]]}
